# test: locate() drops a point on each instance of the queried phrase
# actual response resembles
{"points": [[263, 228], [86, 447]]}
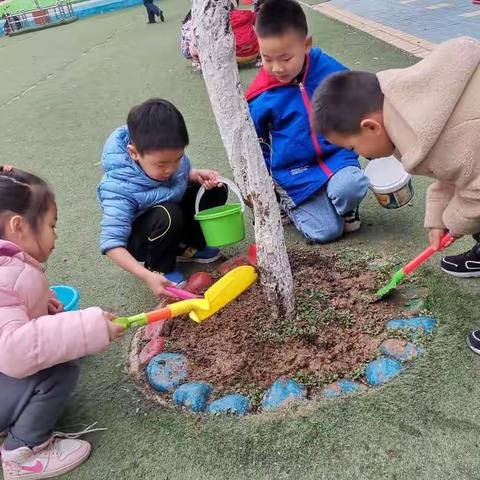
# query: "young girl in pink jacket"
{"points": [[40, 344]]}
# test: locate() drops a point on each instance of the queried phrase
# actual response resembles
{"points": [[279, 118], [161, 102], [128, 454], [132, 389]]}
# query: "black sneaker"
{"points": [[352, 221], [473, 341], [162, 18], [465, 265], [286, 220]]}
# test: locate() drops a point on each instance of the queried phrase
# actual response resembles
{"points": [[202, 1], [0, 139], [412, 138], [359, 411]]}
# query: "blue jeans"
{"points": [[320, 218]]}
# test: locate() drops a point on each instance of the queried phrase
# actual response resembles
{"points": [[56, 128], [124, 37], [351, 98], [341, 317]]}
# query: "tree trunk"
{"points": [[216, 45]]}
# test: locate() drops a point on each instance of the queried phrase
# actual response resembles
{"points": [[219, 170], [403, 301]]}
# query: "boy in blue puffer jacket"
{"points": [[319, 185], [147, 196]]}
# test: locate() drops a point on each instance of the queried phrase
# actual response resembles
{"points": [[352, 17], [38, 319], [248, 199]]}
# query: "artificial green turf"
{"points": [[62, 92]]}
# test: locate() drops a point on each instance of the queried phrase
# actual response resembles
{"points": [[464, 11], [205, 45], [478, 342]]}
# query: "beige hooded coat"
{"points": [[432, 115]]}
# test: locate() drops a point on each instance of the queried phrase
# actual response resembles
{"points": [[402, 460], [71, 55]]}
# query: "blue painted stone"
{"points": [[419, 324], [281, 392], [340, 388], [193, 396], [167, 371], [400, 349], [234, 403], [382, 370]]}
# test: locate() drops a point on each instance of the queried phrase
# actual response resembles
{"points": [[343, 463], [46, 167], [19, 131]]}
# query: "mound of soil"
{"points": [[337, 330]]}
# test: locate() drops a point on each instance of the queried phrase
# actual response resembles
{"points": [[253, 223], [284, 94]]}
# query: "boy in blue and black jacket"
{"points": [[147, 196], [320, 185]]}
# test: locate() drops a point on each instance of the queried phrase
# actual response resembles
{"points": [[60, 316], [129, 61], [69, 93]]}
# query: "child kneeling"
{"points": [[320, 185], [147, 196]]}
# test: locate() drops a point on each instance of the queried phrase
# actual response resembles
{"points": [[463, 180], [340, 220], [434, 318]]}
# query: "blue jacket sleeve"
{"points": [[118, 213], [261, 120]]}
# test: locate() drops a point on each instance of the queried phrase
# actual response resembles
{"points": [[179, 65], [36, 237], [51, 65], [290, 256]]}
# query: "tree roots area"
{"points": [[337, 330]]}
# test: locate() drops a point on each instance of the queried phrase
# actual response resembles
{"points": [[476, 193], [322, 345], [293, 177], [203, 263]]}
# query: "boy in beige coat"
{"points": [[428, 116]]}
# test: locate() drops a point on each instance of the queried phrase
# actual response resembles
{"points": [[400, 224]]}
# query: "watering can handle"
{"points": [[229, 184]]}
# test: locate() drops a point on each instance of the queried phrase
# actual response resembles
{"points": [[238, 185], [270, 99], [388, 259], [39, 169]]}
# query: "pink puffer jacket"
{"points": [[30, 339]]}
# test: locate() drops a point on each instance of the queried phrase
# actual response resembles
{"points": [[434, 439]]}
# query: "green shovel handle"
{"points": [[134, 321]]}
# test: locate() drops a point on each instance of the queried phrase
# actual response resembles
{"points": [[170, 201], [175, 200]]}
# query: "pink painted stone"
{"points": [[154, 330], [199, 282], [152, 348], [232, 263], [395, 345], [400, 349]]}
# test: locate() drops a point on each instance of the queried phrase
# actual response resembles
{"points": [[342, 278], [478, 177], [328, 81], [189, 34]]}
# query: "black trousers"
{"points": [[164, 231], [152, 10]]}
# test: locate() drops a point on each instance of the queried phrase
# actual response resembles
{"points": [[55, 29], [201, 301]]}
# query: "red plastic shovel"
{"points": [[446, 240]]}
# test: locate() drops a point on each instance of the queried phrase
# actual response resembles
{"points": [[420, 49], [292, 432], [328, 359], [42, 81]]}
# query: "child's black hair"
{"points": [[343, 100], [25, 194], [277, 17], [156, 125]]}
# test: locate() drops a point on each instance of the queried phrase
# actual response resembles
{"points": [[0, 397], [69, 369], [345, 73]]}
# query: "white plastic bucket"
{"points": [[390, 183]]}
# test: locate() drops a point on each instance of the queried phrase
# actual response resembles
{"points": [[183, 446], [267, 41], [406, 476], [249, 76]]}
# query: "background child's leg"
{"points": [[30, 407], [347, 188], [317, 218], [152, 10], [150, 13], [156, 235], [211, 198]]}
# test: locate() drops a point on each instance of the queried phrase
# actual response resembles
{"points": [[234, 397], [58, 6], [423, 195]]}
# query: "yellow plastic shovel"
{"points": [[221, 293]]}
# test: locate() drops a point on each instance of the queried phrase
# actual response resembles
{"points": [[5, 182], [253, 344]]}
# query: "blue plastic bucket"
{"points": [[69, 296]]}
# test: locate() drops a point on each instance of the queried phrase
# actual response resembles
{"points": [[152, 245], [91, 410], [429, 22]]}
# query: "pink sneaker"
{"points": [[54, 457]]}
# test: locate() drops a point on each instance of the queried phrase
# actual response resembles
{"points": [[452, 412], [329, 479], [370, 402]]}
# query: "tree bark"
{"points": [[216, 46]]}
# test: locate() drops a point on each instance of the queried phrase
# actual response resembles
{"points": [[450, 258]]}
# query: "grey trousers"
{"points": [[30, 407]]}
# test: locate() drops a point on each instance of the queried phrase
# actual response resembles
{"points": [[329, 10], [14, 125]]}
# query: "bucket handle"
{"points": [[229, 184]]}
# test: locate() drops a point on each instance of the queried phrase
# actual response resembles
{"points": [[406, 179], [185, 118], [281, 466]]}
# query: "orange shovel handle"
{"points": [[157, 315]]}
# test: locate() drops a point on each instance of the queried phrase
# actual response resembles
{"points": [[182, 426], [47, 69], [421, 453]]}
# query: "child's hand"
{"points": [[115, 330], [55, 306], [206, 178], [435, 235], [157, 283]]}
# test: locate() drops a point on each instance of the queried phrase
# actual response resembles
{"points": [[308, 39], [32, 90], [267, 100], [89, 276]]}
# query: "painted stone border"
{"points": [[166, 374]]}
